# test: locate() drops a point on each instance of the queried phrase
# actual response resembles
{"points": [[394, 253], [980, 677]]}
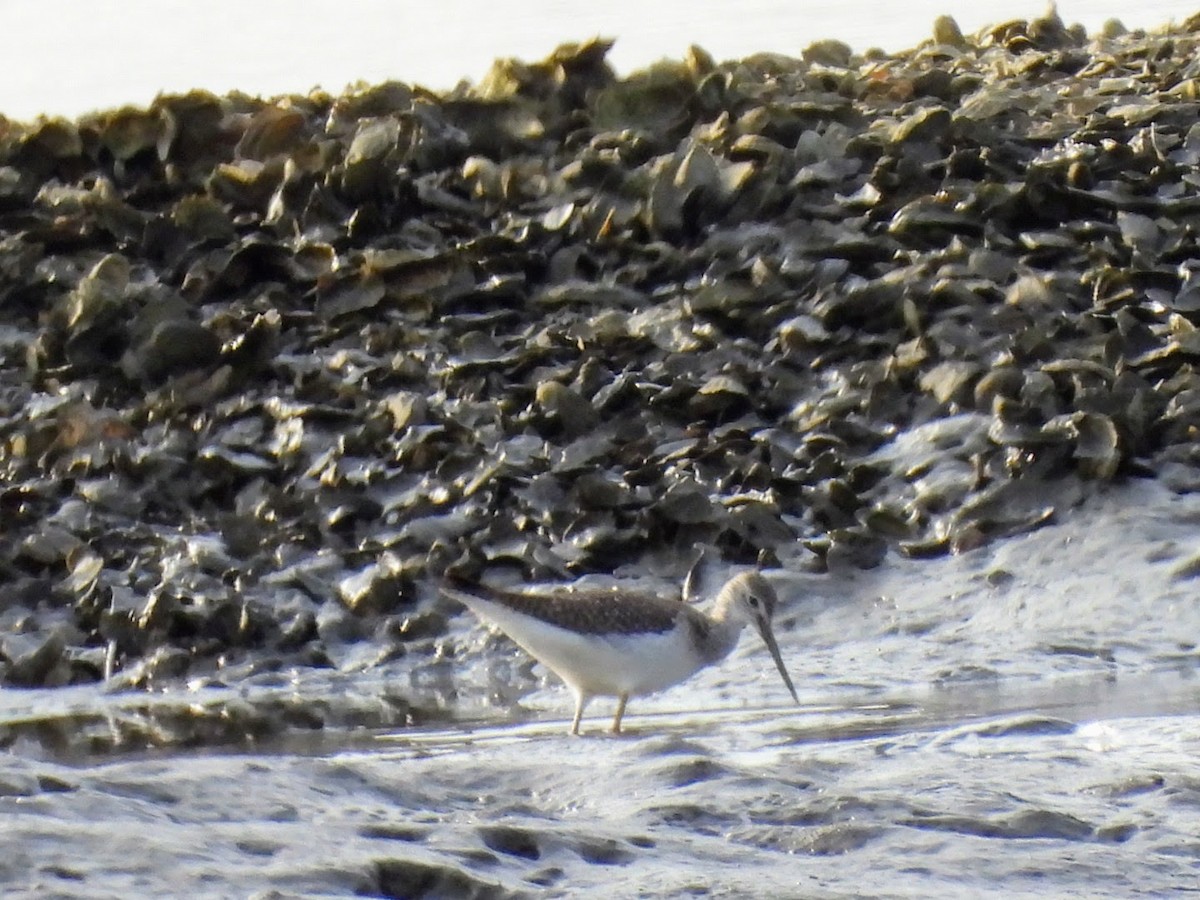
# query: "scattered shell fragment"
{"points": [[267, 366]]}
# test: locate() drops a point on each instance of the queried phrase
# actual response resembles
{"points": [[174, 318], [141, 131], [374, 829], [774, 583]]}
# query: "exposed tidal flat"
{"points": [[911, 332]]}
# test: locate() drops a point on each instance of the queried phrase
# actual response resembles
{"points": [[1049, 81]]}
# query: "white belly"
{"points": [[598, 664]]}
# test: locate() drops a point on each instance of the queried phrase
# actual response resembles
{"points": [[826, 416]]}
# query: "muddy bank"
{"points": [[1019, 720]]}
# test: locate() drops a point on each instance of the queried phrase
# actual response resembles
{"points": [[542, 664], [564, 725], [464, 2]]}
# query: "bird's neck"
{"points": [[724, 629]]}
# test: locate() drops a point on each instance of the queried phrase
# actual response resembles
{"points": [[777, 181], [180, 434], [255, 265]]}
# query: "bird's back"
{"points": [[585, 612]]}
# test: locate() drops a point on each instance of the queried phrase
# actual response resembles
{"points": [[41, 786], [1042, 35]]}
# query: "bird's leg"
{"points": [[621, 701], [580, 700]]}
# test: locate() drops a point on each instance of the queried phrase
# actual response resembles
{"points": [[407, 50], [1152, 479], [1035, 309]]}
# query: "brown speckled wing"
{"points": [[588, 612]]}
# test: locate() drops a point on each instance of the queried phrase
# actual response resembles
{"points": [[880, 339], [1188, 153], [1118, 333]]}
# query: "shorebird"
{"points": [[621, 644]]}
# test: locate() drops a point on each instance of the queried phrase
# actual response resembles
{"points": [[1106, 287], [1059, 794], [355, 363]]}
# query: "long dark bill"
{"points": [[764, 628]]}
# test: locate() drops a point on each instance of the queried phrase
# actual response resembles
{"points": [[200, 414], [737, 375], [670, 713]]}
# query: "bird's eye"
{"points": [[753, 600]]}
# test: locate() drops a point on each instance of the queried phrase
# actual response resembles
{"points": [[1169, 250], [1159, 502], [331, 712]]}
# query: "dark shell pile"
{"points": [[268, 366]]}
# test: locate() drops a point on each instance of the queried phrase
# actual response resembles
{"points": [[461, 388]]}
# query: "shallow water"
{"points": [[833, 802], [1019, 721]]}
